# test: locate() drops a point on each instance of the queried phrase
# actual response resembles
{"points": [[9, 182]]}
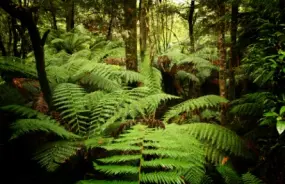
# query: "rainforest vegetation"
{"points": [[142, 91]]}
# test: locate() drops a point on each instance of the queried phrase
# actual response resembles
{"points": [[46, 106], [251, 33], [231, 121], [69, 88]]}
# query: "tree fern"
{"points": [[248, 178], [52, 155], [193, 104], [229, 174], [253, 104], [152, 156], [25, 112], [218, 141], [17, 67], [24, 126], [69, 100]]}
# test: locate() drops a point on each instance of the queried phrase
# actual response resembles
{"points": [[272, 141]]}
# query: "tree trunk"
{"points": [[70, 15], [191, 25], [222, 58], [233, 63], [110, 27], [131, 34], [26, 17], [53, 14], [143, 27], [15, 37], [2, 48]]}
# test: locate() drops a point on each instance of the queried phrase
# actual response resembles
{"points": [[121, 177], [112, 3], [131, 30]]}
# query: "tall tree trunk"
{"points": [[25, 15], [112, 17], [15, 37], [53, 14], [131, 34], [2, 47], [191, 25], [282, 9], [143, 27], [70, 15], [222, 58], [234, 55]]}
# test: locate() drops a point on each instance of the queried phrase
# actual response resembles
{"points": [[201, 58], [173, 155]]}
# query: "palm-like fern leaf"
{"points": [[219, 137], [170, 158], [24, 126], [70, 101], [248, 178], [229, 174], [52, 155], [252, 104], [25, 112], [207, 101], [17, 67]]}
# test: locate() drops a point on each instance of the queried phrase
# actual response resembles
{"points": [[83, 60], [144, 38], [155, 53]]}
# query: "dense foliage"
{"points": [[168, 92]]}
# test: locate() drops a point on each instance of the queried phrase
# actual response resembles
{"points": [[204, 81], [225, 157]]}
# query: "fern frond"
{"points": [[100, 75], [116, 169], [25, 112], [17, 67], [24, 126], [69, 100], [202, 102], [152, 77], [230, 176], [252, 104], [162, 177], [248, 178], [219, 137], [52, 155], [105, 182], [141, 150]]}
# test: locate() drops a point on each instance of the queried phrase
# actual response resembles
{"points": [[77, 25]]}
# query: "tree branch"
{"points": [[25, 15]]}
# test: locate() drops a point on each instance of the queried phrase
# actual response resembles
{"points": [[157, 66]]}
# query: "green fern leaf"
{"points": [[105, 182], [162, 177], [248, 178], [117, 169], [24, 126], [69, 100], [25, 112], [52, 155], [230, 176], [208, 101], [219, 137]]}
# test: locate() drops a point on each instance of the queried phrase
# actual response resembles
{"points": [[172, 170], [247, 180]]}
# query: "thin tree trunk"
{"points": [[26, 17], [234, 55], [15, 37], [222, 58], [143, 27], [191, 25], [70, 15], [53, 14], [131, 36], [2, 48], [110, 27], [282, 9]]}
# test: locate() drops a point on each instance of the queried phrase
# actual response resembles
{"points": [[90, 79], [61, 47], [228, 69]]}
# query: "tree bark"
{"points": [[234, 55], [191, 25], [53, 14], [2, 47], [26, 17], [110, 27], [130, 12], [222, 58], [143, 27], [70, 15], [15, 37]]}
